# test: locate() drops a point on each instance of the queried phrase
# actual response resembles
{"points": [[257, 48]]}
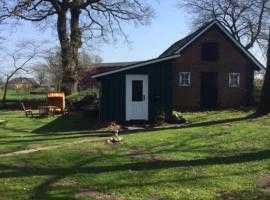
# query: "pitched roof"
{"points": [[139, 64], [175, 50], [106, 67], [180, 45]]}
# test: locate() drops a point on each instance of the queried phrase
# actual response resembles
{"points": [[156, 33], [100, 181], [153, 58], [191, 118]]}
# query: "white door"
{"points": [[136, 97]]}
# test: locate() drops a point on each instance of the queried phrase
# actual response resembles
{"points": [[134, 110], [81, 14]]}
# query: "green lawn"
{"points": [[217, 155], [13, 95]]}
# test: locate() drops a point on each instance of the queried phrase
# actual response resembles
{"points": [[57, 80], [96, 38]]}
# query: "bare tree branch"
{"points": [[247, 20]]}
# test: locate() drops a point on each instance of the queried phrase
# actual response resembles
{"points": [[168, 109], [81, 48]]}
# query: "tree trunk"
{"points": [[69, 77], [4, 98], [75, 43], [264, 106]]}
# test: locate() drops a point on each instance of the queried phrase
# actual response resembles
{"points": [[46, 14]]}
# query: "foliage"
{"points": [[216, 152], [15, 98], [178, 117], [86, 99], [257, 91], [74, 19], [247, 20], [40, 91], [159, 117]]}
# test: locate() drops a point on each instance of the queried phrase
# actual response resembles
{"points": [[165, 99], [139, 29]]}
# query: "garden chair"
{"points": [[27, 111]]}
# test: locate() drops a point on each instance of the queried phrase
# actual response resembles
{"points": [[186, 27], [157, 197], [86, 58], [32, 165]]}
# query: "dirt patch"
{"points": [[247, 146], [135, 152], [207, 136], [160, 158], [96, 195], [157, 198], [263, 182], [227, 126], [24, 165], [166, 146], [266, 191], [64, 183], [227, 195], [88, 152]]}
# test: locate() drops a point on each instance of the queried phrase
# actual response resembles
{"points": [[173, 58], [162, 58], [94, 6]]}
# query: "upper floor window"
{"points": [[234, 79], [184, 79], [210, 52]]}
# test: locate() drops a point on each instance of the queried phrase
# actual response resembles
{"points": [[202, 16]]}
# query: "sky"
{"points": [[146, 42], [170, 24]]}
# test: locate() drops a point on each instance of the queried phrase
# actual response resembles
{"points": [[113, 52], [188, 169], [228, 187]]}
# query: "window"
{"points": [[210, 52], [137, 90], [234, 79], [184, 78]]}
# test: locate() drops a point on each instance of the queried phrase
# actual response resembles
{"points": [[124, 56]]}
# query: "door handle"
{"points": [[144, 97]]}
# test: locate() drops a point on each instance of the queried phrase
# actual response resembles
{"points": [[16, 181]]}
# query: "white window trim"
{"points": [[238, 80], [180, 79]]}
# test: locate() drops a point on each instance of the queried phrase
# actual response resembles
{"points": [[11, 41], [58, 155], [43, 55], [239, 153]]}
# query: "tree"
{"points": [[20, 59], [86, 61], [53, 65], [264, 105], [54, 68], [75, 18], [247, 20], [41, 74]]}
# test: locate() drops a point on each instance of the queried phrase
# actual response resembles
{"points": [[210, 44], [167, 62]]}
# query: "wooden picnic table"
{"points": [[46, 110]]}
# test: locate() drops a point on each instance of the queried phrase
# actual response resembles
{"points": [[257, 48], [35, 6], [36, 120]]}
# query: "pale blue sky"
{"points": [[169, 25]]}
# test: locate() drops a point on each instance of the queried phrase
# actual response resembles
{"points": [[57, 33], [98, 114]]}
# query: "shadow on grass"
{"points": [[72, 123], [58, 173], [7, 171], [151, 128]]}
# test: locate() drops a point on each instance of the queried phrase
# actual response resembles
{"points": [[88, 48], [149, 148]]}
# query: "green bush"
{"points": [[16, 104], [256, 95], [82, 100], [40, 90], [159, 117], [177, 117]]}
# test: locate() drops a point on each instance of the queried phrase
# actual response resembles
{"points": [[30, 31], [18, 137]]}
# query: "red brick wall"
{"points": [[230, 60]]}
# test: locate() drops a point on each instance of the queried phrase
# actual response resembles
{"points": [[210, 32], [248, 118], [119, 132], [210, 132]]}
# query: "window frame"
{"points": [[181, 79], [238, 79]]}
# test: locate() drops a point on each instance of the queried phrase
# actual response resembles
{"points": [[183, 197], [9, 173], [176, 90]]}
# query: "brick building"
{"points": [[207, 69]]}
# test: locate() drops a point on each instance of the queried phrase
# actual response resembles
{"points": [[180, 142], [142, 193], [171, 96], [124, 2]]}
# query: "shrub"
{"points": [[16, 104], [40, 90], [159, 117], [177, 117], [82, 100], [257, 92]]}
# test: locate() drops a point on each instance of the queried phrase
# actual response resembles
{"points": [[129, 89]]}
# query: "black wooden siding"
{"points": [[113, 92]]}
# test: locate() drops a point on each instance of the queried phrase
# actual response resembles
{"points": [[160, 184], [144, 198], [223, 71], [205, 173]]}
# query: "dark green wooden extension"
{"points": [[113, 92]]}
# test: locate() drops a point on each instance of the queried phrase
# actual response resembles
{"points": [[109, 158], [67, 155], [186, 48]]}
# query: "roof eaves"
{"points": [[148, 62]]}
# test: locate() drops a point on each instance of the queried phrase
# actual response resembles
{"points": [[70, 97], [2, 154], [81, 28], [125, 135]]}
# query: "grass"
{"points": [[13, 95], [216, 152]]}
